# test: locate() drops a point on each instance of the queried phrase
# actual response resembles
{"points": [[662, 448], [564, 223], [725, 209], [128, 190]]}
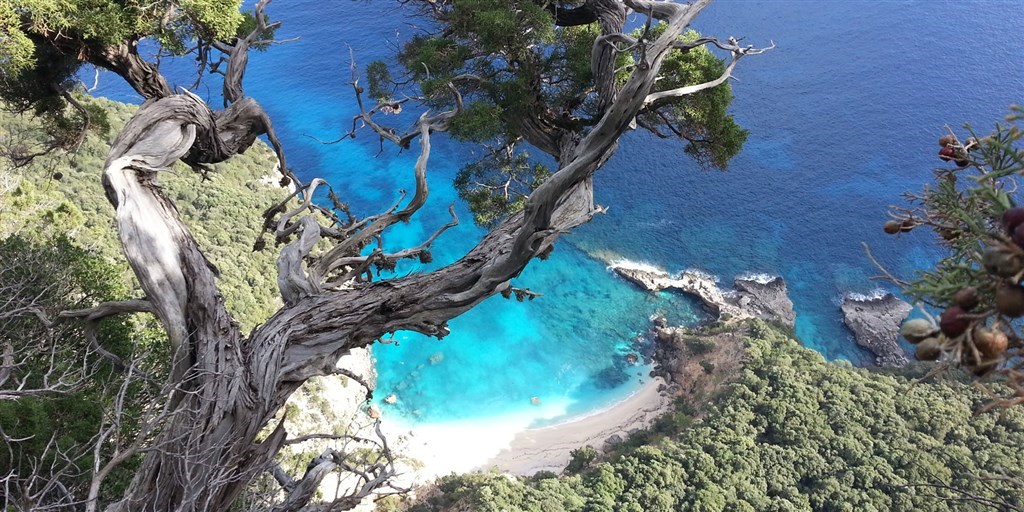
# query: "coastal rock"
{"points": [[875, 323], [766, 299], [664, 334], [693, 283], [650, 279], [613, 440], [373, 411], [391, 399], [659, 321]]}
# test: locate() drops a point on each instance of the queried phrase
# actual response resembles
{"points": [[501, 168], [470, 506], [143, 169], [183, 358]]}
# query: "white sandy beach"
{"points": [[548, 448], [508, 445]]}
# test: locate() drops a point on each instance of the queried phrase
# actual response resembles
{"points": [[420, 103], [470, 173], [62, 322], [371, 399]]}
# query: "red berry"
{"points": [[953, 322], [947, 153], [1013, 218]]}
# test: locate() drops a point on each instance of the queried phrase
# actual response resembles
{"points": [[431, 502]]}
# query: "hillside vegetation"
{"points": [[793, 432], [61, 194]]}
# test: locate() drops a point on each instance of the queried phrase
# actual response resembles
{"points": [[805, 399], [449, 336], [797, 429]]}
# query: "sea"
{"points": [[843, 114]]}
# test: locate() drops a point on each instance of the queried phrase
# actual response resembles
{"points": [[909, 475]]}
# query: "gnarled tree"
{"points": [[564, 77]]}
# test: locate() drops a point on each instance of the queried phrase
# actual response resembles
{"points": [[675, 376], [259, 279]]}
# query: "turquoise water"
{"points": [[843, 116]]}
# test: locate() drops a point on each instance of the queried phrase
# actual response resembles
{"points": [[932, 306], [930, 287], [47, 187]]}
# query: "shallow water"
{"points": [[843, 116]]}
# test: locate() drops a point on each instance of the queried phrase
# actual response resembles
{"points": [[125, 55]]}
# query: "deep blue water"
{"points": [[843, 116]]}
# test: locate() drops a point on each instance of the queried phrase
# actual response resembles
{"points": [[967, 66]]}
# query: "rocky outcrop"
{"points": [[693, 283], [696, 363], [875, 322], [766, 299]]}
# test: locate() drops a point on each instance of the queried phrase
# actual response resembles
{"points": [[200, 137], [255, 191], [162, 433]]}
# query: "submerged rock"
{"points": [[391, 399], [875, 323], [659, 320]]}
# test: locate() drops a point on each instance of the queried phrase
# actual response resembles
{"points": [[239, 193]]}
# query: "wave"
{"points": [[875, 294], [636, 265], [757, 277]]}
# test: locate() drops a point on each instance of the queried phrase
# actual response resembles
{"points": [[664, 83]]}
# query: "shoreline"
{"points": [[548, 448], [508, 444]]}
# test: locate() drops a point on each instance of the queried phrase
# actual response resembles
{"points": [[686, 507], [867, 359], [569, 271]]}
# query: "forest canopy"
{"points": [[793, 432]]}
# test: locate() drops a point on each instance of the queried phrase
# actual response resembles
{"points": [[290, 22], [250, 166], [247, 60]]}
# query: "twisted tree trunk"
{"points": [[225, 387], [124, 59]]}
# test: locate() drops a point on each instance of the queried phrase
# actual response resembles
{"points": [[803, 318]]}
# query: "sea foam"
{"points": [[875, 294], [757, 277], [636, 265]]}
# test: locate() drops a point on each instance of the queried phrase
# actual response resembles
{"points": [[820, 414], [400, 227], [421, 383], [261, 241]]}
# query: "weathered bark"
{"points": [[124, 60], [611, 18], [238, 54]]}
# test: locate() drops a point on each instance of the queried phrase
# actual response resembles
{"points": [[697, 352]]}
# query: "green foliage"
{"points": [[707, 366], [248, 24], [581, 458], [16, 49], [973, 208], [378, 76], [497, 187], [699, 345], [518, 73], [426, 56], [496, 493], [508, 27], [795, 433], [701, 119], [480, 122], [213, 19], [43, 43], [964, 206]]}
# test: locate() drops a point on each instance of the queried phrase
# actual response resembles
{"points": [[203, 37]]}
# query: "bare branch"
{"points": [[109, 309], [736, 52]]}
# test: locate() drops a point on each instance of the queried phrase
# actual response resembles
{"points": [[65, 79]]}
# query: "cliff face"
{"points": [[875, 323]]}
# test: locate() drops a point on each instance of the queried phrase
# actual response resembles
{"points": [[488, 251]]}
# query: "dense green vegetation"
{"points": [[793, 432], [59, 194], [44, 43]]}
